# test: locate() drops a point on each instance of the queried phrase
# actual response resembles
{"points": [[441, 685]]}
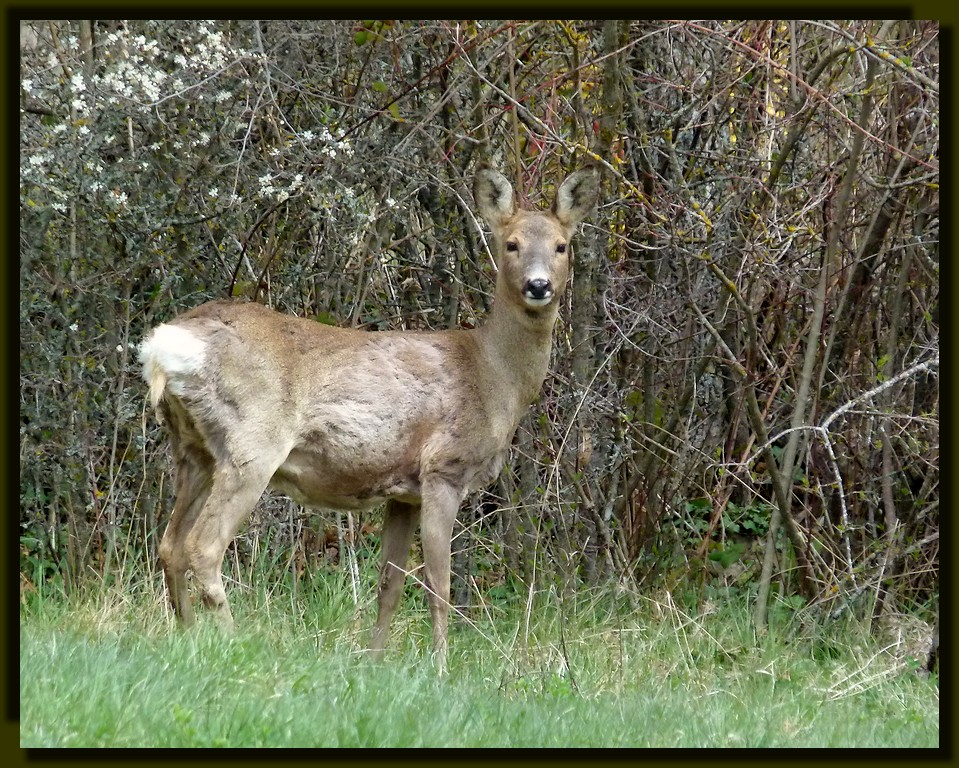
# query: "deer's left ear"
{"points": [[576, 196]]}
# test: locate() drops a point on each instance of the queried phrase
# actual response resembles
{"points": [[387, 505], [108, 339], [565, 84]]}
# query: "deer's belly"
{"points": [[310, 478]]}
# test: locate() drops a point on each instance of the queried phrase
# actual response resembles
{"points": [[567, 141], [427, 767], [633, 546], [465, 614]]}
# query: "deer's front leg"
{"points": [[397, 535], [441, 501]]}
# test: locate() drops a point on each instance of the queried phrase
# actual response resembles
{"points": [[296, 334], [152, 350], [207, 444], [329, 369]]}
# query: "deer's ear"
{"points": [[576, 196], [494, 196]]}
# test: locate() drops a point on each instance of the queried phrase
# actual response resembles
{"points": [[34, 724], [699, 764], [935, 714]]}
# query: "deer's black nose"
{"points": [[539, 289]]}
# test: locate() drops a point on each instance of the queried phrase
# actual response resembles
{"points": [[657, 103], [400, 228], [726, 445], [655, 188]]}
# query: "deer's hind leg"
{"points": [[231, 498], [193, 485], [216, 491]]}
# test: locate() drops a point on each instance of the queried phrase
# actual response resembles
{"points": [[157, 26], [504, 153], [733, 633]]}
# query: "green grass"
{"points": [[619, 670]]}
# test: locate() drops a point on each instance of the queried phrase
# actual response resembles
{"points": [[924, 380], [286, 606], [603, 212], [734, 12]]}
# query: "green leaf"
{"points": [[729, 555]]}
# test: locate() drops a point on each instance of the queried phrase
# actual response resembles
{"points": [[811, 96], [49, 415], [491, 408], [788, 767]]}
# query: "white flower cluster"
{"points": [[39, 160], [333, 146], [212, 52], [132, 78], [140, 70], [329, 145], [345, 202], [280, 193], [156, 79]]}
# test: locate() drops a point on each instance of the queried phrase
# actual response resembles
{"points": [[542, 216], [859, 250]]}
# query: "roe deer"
{"points": [[344, 418]]}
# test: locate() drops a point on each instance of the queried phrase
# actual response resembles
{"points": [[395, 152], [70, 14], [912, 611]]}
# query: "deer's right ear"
{"points": [[493, 195]]}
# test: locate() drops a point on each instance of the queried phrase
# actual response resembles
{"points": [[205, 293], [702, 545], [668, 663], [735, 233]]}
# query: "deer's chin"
{"points": [[538, 303]]}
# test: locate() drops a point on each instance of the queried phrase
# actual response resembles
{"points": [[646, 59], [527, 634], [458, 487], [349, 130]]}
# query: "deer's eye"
{"points": [[561, 248], [512, 246]]}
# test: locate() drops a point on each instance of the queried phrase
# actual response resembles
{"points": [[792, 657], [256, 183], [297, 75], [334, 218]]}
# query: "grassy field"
{"points": [[605, 670]]}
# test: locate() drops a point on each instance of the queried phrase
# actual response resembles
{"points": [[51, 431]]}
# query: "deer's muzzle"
{"points": [[538, 292]]}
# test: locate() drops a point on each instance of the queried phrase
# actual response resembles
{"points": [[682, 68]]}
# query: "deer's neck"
{"points": [[516, 343]]}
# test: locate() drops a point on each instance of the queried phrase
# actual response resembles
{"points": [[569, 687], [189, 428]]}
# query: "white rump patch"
{"points": [[174, 350], [170, 351]]}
